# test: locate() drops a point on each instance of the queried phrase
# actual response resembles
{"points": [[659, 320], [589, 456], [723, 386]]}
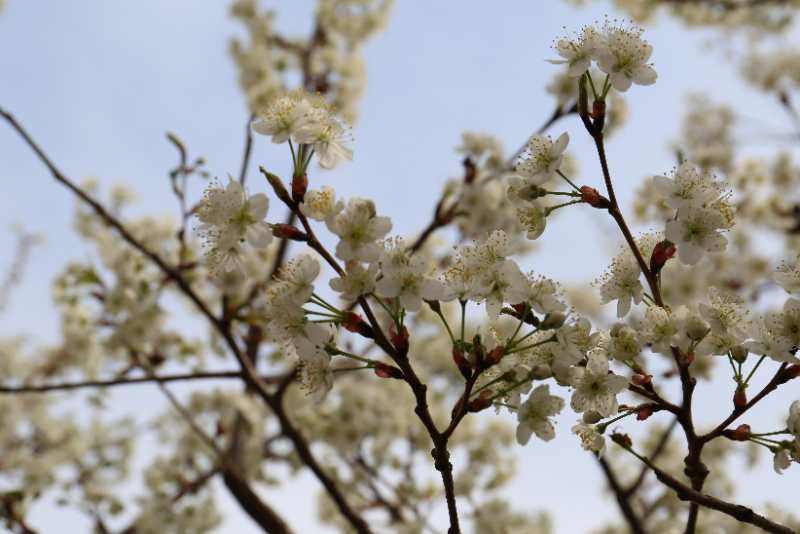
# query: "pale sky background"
{"points": [[98, 83]]}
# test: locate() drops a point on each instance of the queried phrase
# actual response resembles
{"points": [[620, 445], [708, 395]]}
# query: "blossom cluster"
{"points": [[618, 50]]}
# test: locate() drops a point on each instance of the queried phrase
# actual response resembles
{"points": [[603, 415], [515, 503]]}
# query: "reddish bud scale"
{"points": [[354, 323], [741, 433], [400, 340], [662, 252], [299, 187], [642, 380], [623, 440], [483, 401], [740, 398], [592, 196], [388, 371], [790, 373], [644, 411], [494, 357], [461, 362], [287, 231]]}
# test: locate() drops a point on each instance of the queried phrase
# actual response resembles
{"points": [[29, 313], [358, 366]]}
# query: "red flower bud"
{"points": [[287, 231], [388, 371], [592, 196], [662, 252]]}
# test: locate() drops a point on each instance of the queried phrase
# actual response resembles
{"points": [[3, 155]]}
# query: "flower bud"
{"points": [[663, 251], [697, 328], [739, 353], [591, 417], [553, 321], [541, 372], [388, 371], [277, 186], [434, 305], [592, 196]]}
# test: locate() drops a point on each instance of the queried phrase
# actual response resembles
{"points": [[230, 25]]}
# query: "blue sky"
{"points": [[98, 83]]}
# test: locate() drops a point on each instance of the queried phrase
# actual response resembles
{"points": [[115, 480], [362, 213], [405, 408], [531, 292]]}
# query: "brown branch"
{"points": [[622, 497], [248, 147], [771, 386], [66, 386], [264, 515], [222, 326], [737, 511], [657, 451]]}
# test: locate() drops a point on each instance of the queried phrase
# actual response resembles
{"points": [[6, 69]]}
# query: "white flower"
{"points": [[358, 228], [689, 188], [624, 344], [623, 55], [724, 313], [533, 415], [781, 461], [315, 374], [788, 277], [658, 329], [595, 388], [505, 283], [621, 283], [328, 136], [793, 421], [283, 117], [308, 120], [591, 439], [404, 278], [695, 232], [576, 339], [532, 216], [357, 281], [768, 343], [542, 158], [321, 204], [297, 278], [228, 218], [577, 53], [786, 323], [542, 295]]}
